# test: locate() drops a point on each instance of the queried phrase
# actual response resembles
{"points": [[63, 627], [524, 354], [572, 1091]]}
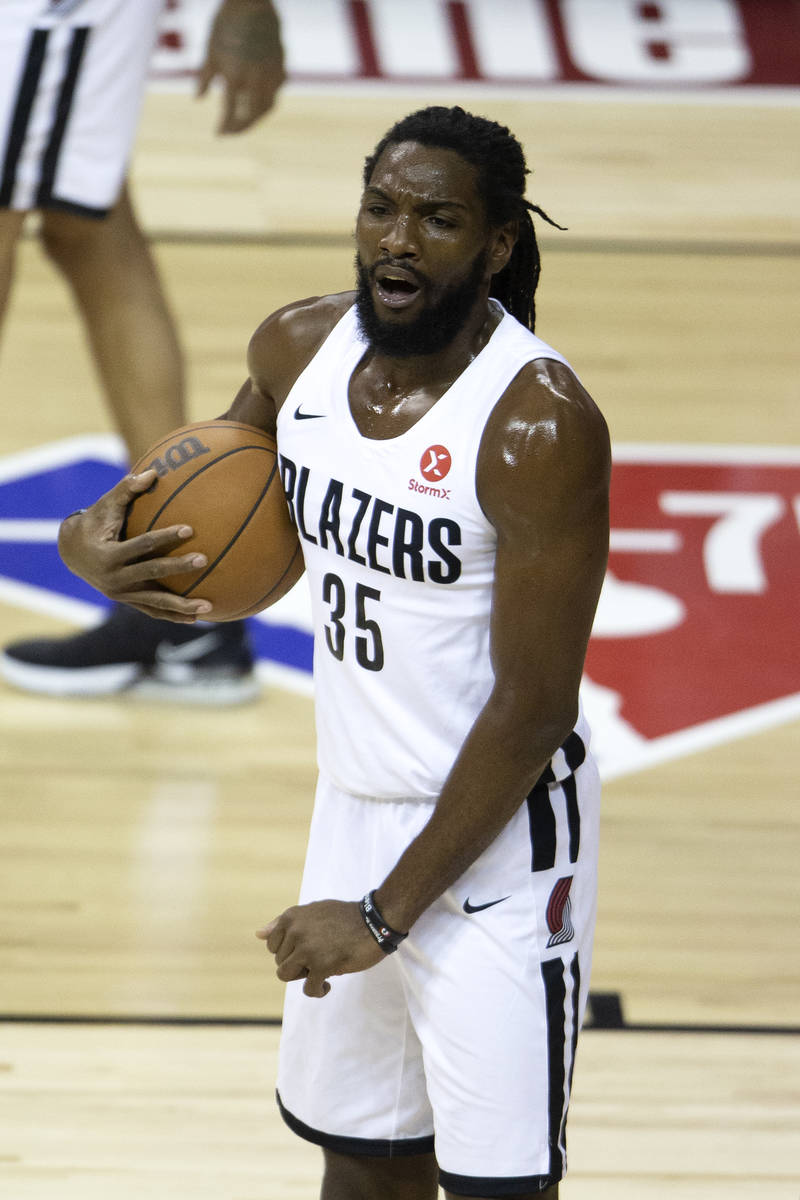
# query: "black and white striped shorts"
{"points": [[72, 77], [463, 1042]]}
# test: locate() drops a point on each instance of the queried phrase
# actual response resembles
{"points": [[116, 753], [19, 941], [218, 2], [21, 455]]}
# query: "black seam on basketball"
{"points": [[200, 426], [248, 518], [255, 606], [207, 467]]}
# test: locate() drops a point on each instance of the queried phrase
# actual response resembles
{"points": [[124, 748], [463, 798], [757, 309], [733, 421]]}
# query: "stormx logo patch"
{"points": [[434, 466]]}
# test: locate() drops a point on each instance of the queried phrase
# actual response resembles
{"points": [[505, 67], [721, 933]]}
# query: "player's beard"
{"points": [[436, 325]]}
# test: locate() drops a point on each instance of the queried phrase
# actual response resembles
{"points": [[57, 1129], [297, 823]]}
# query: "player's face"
{"points": [[423, 261]]}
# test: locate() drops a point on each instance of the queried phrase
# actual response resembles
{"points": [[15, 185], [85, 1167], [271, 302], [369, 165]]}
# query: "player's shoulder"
{"points": [[545, 432], [547, 409], [284, 343]]}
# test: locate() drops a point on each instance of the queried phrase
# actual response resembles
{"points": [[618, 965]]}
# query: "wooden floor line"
{"points": [[137, 1019], [549, 245], [287, 239], [225, 1022], [695, 1027]]}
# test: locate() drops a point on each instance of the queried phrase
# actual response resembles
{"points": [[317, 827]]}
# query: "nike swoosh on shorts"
{"points": [[473, 908]]}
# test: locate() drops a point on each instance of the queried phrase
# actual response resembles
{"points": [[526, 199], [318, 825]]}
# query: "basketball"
{"points": [[222, 478]]}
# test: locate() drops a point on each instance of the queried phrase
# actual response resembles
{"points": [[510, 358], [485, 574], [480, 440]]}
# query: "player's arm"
{"points": [[244, 50], [543, 479]]}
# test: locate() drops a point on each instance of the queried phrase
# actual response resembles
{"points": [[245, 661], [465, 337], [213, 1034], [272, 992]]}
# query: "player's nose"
{"points": [[398, 238]]}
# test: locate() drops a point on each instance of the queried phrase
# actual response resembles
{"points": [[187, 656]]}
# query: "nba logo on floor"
{"points": [[696, 637]]}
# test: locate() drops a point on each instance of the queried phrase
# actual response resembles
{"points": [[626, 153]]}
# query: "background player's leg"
{"points": [[109, 267], [133, 338], [356, 1177], [10, 228]]}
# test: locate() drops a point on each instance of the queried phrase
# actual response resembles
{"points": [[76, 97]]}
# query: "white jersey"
{"points": [[72, 78], [400, 561]]}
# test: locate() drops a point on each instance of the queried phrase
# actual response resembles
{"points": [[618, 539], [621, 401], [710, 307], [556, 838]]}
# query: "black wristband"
{"points": [[387, 938]]}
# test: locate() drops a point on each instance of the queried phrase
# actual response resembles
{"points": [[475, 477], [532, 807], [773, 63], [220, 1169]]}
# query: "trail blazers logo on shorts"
{"points": [[559, 907]]}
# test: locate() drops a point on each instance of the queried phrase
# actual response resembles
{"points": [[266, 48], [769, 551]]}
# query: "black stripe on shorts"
{"points": [[559, 1083], [541, 814], [569, 787], [560, 1070], [26, 95], [542, 825], [575, 972], [66, 95]]}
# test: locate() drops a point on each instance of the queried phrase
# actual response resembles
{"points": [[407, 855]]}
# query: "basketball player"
{"points": [[448, 475], [72, 77]]}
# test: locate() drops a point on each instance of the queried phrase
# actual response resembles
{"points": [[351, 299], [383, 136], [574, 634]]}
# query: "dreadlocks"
{"points": [[500, 162]]}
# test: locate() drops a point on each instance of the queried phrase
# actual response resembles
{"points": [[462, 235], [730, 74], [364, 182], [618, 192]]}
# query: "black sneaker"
{"points": [[198, 664]]}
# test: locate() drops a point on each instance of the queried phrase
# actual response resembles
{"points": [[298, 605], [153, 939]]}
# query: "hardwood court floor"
{"points": [[140, 848], [187, 1114]]}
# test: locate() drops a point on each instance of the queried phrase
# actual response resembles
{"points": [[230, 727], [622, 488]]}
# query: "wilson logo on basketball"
{"points": [[177, 455]]}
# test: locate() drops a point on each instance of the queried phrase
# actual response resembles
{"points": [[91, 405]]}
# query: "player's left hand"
{"points": [[313, 941], [129, 571], [245, 51]]}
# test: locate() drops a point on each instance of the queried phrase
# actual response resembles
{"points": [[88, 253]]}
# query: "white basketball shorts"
{"points": [[463, 1041], [72, 77]]}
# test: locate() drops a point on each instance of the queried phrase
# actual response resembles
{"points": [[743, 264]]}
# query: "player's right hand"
{"points": [[128, 572]]}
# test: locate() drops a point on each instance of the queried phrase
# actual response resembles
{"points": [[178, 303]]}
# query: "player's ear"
{"points": [[501, 246]]}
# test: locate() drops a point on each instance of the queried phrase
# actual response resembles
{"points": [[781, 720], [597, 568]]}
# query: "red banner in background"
{"points": [[672, 44]]}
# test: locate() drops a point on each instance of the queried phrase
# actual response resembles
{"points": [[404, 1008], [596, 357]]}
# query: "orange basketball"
{"points": [[222, 478]]}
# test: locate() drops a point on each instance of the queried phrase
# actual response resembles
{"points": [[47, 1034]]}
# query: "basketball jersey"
{"points": [[400, 562]]}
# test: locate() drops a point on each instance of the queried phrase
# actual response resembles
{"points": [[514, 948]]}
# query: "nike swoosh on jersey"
{"points": [[191, 651], [473, 908], [301, 416]]}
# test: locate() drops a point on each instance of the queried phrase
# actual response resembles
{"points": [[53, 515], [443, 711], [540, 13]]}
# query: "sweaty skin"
{"points": [[542, 481]]}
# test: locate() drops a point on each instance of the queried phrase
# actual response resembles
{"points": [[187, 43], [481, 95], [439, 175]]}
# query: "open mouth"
{"points": [[396, 291]]}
